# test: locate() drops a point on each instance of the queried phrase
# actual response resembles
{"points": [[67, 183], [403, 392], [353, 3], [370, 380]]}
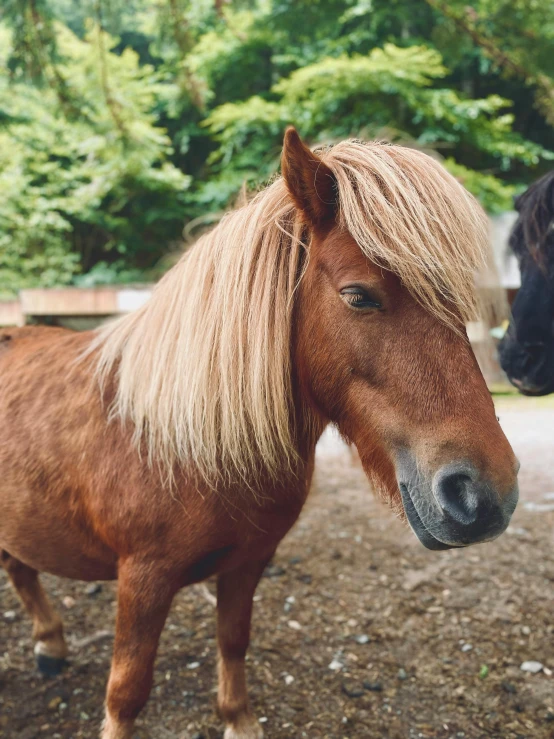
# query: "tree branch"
{"points": [[544, 99]]}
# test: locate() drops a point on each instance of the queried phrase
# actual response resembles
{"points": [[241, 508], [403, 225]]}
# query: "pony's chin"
{"points": [[418, 527]]}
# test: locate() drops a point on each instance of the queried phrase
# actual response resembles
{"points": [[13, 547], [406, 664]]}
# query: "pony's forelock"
{"points": [[203, 370], [408, 214]]}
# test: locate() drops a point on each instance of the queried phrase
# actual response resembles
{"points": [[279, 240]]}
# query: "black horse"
{"points": [[527, 349]]}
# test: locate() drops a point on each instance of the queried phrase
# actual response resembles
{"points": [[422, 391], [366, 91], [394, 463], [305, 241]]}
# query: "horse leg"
{"points": [[50, 646], [143, 602], [235, 591]]}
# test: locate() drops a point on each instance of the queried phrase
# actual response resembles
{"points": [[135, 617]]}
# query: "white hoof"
{"points": [[245, 728], [56, 649]]}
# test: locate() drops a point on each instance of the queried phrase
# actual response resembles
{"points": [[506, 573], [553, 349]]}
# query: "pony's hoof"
{"points": [[50, 666], [247, 728]]}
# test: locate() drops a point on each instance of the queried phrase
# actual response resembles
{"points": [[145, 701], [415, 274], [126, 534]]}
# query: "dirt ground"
{"points": [[358, 630]]}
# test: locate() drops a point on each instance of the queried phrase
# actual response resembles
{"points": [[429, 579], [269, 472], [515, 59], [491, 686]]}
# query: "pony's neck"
{"points": [[204, 368]]}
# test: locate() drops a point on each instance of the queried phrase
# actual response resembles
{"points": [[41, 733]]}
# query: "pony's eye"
{"points": [[357, 297]]}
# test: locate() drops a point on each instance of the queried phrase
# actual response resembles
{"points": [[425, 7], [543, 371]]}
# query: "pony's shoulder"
{"points": [[11, 336], [29, 341]]}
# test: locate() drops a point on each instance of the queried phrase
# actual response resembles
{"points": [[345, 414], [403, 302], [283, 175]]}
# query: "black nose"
{"points": [[471, 507], [457, 495]]}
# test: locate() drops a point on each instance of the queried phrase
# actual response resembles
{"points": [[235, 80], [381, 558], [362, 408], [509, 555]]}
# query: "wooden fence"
{"points": [[59, 304]]}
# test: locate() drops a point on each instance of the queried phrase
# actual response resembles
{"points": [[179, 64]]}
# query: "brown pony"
{"points": [[178, 442]]}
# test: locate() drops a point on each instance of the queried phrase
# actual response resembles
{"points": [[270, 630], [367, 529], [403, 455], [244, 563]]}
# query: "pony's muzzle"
{"points": [[472, 510], [457, 507]]}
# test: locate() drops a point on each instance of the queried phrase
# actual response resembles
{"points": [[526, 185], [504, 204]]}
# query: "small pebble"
{"points": [[402, 674], [68, 601], [294, 625], [362, 639], [352, 690], [10, 616], [193, 665], [289, 679], [55, 702], [335, 665], [467, 647], [531, 666], [93, 588], [274, 571], [374, 687], [509, 687]]}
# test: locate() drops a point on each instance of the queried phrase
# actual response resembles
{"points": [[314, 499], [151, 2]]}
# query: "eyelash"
{"points": [[357, 297]]}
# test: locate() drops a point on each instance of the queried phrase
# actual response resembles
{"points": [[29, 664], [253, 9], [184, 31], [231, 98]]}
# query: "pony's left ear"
{"points": [[310, 182]]}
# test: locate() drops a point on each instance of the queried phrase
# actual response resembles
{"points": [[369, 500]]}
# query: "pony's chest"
{"points": [[225, 534]]}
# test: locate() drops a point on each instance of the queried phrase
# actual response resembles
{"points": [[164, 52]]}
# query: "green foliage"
{"points": [[110, 144], [340, 95], [497, 195], [102, 273], [78, 189]]}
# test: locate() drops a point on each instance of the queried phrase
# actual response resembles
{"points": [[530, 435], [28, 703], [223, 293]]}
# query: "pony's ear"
{"points": [[310, 182]]}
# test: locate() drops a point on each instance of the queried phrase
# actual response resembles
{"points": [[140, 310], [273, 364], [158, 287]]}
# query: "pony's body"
{"points": [[527, 350], [110, 515], [79, 520], [179, 442]]}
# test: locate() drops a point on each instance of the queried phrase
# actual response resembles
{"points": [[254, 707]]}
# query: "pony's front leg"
{"points": [[235, 591], [143, 602]]}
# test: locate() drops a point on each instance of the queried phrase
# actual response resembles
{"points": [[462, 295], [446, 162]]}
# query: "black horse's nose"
{"points": [[471, 507]]}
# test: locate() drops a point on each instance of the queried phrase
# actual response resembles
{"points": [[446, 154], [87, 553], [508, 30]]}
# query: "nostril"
{"points": [[456, 494]]}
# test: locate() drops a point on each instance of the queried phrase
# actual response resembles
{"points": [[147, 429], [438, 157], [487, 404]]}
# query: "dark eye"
{"points": [[357, 297]]}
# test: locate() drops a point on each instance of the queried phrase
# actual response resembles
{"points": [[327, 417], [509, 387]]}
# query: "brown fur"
{"points": [[80, 500]]}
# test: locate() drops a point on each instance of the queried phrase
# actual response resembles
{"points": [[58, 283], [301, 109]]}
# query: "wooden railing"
{"points": [[37, 304]]}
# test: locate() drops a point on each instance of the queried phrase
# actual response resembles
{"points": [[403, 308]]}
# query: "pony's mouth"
{"points": [[416, 524]]}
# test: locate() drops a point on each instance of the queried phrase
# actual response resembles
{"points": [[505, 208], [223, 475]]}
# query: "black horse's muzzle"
{"points": [[528, 365]]}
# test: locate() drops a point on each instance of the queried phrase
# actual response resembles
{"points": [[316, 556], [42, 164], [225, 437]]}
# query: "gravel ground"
{"points": [[358, 630]]}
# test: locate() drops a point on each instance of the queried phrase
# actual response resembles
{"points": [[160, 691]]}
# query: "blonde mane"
{"points": [[203, 370]]}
